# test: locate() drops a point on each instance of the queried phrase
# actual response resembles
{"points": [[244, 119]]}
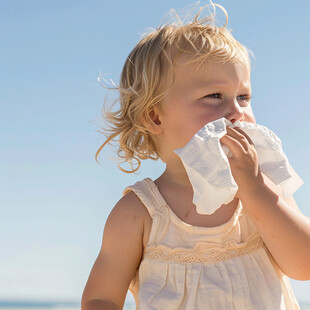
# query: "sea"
{"points": [[46, 305]]}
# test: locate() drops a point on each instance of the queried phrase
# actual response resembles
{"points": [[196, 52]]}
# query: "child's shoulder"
{"points": [[129, 211], [130, 205], [131, 215]]}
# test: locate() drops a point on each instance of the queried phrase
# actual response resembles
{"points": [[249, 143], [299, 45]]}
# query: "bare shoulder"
{"points": [[130, 203], [130, 207], [126, 221], [128, 214]]}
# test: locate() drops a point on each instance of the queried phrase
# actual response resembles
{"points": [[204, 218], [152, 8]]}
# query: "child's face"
{"points": [[199, 97]]}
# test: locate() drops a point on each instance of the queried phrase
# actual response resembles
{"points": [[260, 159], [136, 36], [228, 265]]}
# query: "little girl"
{"points": [[177, 79]]}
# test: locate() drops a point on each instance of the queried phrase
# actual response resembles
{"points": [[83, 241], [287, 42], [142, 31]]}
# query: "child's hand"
{"points": [[243, 161]]}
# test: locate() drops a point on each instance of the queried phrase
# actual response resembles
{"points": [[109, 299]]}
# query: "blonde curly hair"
{"points": [[144, 79]]}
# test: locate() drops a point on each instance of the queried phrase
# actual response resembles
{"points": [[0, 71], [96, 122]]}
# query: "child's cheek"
{"points": [[249, 115]]}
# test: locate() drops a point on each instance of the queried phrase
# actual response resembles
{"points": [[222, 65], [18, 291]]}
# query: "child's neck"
{"points": [[175, 175]]}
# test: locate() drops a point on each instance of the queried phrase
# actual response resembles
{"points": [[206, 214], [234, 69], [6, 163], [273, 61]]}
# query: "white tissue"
{"points": [[207, 165]]}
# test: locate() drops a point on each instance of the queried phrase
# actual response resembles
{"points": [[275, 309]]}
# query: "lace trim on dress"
{"points": [[205, 252]]}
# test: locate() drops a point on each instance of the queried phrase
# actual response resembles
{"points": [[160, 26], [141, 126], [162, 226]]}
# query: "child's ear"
{"points": [[155, 126]]}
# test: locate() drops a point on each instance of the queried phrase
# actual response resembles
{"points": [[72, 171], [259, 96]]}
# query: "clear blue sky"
{"points": [[54, 197]]}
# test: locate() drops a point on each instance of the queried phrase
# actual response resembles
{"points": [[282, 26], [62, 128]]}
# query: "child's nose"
{"points": [[235, 112]]}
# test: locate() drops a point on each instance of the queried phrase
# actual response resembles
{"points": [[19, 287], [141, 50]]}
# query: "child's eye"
{"points": [[219, 95], [215, 95], [246, 98]]}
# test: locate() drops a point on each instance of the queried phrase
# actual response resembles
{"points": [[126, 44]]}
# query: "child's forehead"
{"points": [[196, 74]]}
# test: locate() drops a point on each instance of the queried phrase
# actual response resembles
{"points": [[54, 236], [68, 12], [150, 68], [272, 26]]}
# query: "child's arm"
{"points": [[119, 257], [283, 227]]}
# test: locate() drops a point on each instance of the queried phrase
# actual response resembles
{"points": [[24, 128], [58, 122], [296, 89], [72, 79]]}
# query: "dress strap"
{"points": [[145, 191]]}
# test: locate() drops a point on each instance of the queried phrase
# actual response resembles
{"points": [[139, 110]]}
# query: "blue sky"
{"points": [[54, 197]]}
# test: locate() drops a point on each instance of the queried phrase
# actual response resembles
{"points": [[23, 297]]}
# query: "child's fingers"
{"points": [[243, 133], [241, 136], [233, 144]]}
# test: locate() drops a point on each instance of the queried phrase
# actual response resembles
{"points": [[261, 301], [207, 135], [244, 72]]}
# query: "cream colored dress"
{"points": [[190, 267]]}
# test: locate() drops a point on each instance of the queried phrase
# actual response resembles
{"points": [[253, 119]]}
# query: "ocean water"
{"points": [[48, 305], [20, 305]]}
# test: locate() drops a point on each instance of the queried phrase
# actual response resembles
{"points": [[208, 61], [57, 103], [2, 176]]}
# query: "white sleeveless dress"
{"points": [[213, 268]]}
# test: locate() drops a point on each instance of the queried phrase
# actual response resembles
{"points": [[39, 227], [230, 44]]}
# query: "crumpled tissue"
{"points": [[207, 166]]}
